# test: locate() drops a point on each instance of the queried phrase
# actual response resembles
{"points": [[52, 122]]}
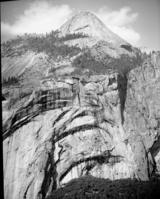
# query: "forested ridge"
{"points": [[50, 43], [54, 46]]}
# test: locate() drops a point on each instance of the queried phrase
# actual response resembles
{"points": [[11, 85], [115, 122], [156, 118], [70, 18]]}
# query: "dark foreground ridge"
{"points": [[89, 187]]}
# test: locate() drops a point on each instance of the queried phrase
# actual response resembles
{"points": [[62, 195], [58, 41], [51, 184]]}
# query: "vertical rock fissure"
{"points": [[49, 183], [122, 89], [47, 176], [25, 194], [154, 150]]}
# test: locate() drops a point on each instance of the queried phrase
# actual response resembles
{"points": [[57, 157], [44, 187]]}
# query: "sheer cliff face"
{"points": [[62, 128], [142, 111], [106, 126]]}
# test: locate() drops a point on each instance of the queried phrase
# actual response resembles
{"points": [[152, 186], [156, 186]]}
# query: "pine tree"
{"points": [[9, 80], [4, 81]]}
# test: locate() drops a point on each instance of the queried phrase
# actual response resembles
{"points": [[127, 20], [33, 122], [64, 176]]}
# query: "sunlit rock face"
{"points": [[17, 65], [63, 134], [64, 127], [142, 112], [89, 24], [100, 37], [90, 138], [105, 125]]}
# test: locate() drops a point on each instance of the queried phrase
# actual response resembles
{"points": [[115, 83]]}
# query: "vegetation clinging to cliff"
{"points": [[10, 81], [121, 65], [51, 44]]}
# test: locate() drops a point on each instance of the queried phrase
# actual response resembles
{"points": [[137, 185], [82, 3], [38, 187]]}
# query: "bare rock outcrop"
{"points": [[88, 23], [142, 112], [103, 40]]}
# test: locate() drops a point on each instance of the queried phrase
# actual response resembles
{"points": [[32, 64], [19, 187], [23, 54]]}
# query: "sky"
{"points": [[136, 21]]}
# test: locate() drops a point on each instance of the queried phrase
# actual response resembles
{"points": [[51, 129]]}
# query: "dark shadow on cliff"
{"points": [[154, 151], [91, 187], [122, 88], [49, 183]]}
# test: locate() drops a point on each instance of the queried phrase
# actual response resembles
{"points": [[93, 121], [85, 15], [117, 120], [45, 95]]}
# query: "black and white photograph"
{"points": [[80, 99]]}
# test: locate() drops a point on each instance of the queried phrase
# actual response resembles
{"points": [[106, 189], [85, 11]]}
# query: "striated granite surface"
{"points": [[101, 39], [142, 113], [88, 23], [107, 126]]}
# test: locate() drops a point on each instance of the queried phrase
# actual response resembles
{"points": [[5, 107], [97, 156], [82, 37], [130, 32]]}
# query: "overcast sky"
{"points": [[136, 21]]}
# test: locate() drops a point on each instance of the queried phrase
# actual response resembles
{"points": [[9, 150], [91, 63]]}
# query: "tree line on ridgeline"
{"points": [[10, 81], [100, 66], [55, 47], [50, 43]]}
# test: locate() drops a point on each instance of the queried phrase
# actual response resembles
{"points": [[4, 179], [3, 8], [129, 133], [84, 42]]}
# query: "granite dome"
{"points": [[90, 24]]}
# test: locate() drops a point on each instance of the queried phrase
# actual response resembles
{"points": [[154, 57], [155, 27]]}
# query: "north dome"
{"points": [[90, 24]]}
